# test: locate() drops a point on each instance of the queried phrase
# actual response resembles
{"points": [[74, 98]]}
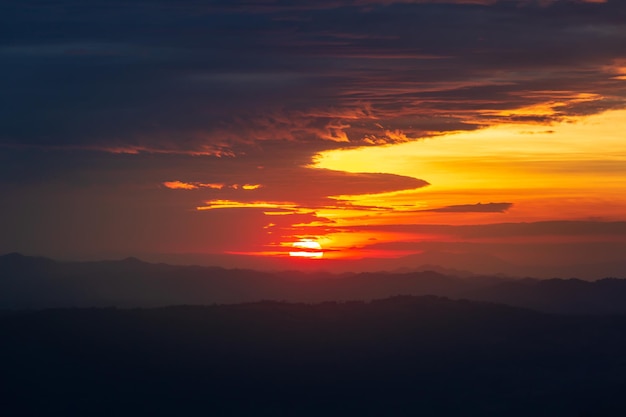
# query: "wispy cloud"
{"points": [[180, 185], [474, 208]]}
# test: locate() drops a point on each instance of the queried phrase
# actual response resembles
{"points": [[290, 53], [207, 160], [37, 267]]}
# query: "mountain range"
{"points": [[35, 283]]}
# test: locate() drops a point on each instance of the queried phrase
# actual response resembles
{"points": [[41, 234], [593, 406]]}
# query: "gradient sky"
{"points": [[482, 130]]}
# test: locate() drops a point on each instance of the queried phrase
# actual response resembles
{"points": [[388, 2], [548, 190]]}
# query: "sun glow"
{"points": [[307, 248]]}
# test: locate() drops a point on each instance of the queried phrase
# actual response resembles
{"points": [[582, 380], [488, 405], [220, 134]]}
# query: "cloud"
{"points": [[178, 185], [220, 79], [583, 229], [308, 189], [474, 208], [251, 186]]}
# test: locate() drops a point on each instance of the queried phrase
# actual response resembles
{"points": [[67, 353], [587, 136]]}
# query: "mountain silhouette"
{"points": [[34, 283], [401, 356]]}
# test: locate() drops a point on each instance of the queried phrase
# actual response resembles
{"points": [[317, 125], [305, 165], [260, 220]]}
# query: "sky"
{"points": [[476, 134]]}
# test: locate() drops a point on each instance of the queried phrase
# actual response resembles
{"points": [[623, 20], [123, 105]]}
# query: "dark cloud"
{"points": [[303, 187], [474, 208], [210, 78], [547, 228], [512, 230]]}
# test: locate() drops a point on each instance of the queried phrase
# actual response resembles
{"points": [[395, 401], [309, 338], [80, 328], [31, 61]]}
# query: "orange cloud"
{"points": [[212, 186], [229, 204], [179, 185], [617, 69]]}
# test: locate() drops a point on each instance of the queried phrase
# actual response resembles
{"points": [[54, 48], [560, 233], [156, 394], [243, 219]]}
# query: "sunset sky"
{"points": [[474, 134]]}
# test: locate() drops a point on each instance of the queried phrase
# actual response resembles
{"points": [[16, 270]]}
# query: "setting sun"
{"points": [[307, 248]]}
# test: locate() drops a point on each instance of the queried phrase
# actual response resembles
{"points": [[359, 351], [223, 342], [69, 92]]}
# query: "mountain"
{"points": [[478, 262], [34, 283], [402, 356], [605, 296]]}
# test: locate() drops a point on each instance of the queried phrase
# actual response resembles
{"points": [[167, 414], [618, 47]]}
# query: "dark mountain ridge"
{"points": [[34, 283]]}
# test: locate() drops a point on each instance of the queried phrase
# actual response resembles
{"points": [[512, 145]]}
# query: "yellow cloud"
{"points": [[572, 169]]}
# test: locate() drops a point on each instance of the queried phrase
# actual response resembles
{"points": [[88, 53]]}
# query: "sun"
{"points": [[307, 248]]}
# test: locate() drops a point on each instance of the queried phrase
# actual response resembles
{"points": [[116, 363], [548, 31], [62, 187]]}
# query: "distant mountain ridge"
{"points": [[35, 282]]}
